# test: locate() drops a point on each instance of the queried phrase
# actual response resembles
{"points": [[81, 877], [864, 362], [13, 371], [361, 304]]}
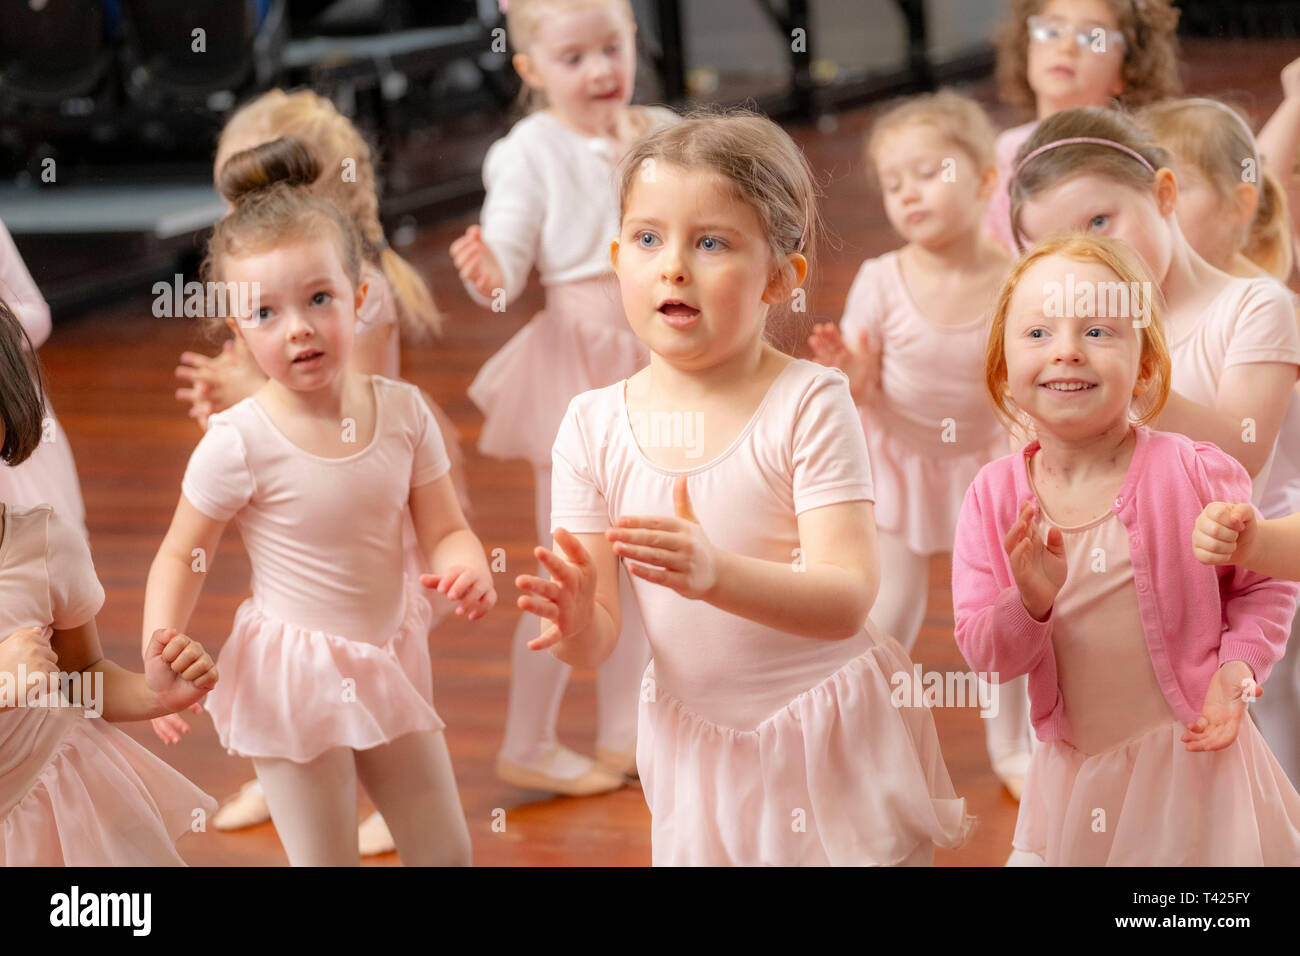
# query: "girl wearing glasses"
{"points": [[1060, 54]]}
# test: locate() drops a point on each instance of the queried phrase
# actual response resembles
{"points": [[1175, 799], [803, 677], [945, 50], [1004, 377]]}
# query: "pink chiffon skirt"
{"points": [[839, 776], [919, 491], [1149, 802], [98, 798], [292, 693], [580, 341]]}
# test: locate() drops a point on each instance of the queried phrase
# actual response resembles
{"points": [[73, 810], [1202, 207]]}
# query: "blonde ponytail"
{"points": [[1268, 244]]}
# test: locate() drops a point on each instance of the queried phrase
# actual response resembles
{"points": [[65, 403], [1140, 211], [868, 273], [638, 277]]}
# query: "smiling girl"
{"points": [[767, 732], [1072, 565]]}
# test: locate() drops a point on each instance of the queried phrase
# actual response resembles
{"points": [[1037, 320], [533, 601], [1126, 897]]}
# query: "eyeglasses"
{"points": [[1094, 40]]}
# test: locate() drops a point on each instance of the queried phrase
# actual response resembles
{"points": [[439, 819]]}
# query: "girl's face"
{"points": [[695, 268], [1064, 74], [1211, 222], [932, 190], [1073, 373], [583, 56], [1092, 203], [300, 332]]}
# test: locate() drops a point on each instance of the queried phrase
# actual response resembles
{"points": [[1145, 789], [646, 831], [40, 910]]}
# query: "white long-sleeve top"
{"points": [[19, 291], [551, 202]]}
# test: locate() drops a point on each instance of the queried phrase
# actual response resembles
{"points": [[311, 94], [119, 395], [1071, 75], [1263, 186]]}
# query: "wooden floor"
{"points": [[111, 382]]}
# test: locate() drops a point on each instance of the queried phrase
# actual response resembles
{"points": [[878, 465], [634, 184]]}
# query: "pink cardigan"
{"points": [[1194, 617]]}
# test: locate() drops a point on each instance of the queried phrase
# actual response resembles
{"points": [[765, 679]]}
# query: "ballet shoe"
{"points": [[616, 761], [247, 808], [595, 780], [1011, 771], [373, 837]]}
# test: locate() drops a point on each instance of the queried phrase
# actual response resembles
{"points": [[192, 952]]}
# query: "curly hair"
{"points": [[1150, 71]]}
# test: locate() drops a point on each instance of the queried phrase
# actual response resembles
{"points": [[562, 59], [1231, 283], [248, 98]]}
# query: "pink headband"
{"points": [[1084, 139]]}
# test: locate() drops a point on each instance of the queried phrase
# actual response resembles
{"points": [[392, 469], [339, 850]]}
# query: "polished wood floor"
{"points": [[111, 381]]}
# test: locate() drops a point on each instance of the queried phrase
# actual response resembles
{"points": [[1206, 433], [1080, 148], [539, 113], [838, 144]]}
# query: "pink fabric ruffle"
{"points": [[101, 800], [293, 693], [580, 341], [839, 776], [1150, 802], [919, 493]]}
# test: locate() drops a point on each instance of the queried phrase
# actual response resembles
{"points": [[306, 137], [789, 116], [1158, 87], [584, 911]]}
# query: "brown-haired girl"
{"points": [[1072, 565], [768, 731], [328, 663], [75, 790], [1061, 54], [551, 203]]}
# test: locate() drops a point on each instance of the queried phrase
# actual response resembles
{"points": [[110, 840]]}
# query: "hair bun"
{"points": [[285, 161]]}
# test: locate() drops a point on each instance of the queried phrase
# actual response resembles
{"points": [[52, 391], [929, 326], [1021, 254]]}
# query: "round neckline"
{"points": [[379, 417], [1122, 496], [626, 424], [897, 257]]}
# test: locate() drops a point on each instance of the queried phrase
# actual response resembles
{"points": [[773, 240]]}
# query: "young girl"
{"points": [[1234, 214], [1060, 54], [327, 667], [396, 297], [75, 791], [933, 159], [49, 474], [767, 733], [1234, 342], [550, 202], [1071, 565]]}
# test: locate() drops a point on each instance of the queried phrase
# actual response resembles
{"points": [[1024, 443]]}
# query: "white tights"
{"points": [[900, 610], [537, 680], [411, 782]]}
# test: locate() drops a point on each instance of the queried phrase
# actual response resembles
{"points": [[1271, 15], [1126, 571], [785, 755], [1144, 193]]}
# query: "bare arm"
{"points": [[179, 569], [1246, 416], [826, 591], [181, 673], [579, 605], [454, 553]]}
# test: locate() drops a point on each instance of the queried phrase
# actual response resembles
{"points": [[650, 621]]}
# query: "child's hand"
{"points": [[218, 382], [1225, 534], [1039, 567], [1291, 79], [476, 264], [1231, 689], [27, 650], [177, 669], [862, 365], [677, 552], [472, 587], [568, 600], [169, 727]]}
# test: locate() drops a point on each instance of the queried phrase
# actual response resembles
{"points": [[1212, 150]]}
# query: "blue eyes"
{"points": [[647, 240], [1098, 222], [1039, 333], [321, 298]]}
